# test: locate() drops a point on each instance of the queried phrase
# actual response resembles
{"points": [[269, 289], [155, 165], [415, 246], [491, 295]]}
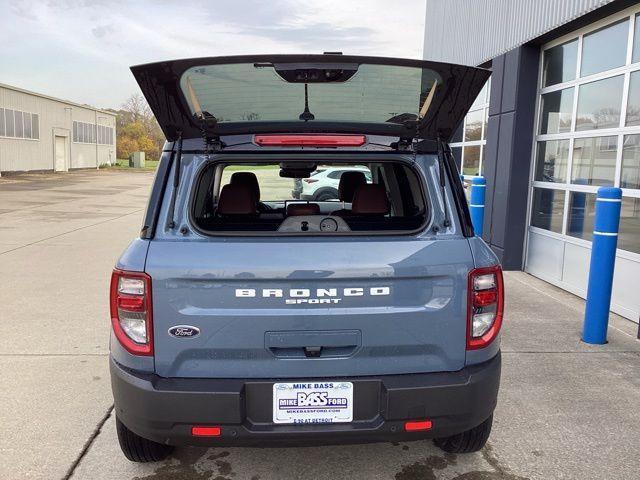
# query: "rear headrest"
{"points": [[349, 183], [236, 200], [249, 179], [303, 209], [370, 199]]}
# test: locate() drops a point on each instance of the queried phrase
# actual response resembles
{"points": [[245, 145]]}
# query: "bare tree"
{"points": [[138, 107]]}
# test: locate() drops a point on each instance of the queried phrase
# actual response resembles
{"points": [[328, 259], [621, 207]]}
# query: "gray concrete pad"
{"points": [[402, 461], [49, 406], [57, 250], [566, 410]]}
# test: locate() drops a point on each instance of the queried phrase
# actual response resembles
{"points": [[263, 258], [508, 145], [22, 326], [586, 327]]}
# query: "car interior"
{"points": [[230, 198]]}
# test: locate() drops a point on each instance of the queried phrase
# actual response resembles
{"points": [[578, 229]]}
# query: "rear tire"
{"points": [[325, 195], [138, 449], [467, 442]]}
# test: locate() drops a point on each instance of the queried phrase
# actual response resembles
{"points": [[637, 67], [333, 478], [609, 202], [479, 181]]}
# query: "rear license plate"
{"points": [[313, 402]]}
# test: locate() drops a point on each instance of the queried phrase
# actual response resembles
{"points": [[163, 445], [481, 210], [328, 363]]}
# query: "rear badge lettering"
{"points": [[320, 296], [184, 331]]}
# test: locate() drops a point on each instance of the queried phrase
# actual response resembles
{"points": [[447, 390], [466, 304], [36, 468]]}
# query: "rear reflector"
{"points": [[418, 425], [310, 140], [205, 431]]}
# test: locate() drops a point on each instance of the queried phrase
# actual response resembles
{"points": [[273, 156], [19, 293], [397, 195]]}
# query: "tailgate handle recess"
{"points": [[312, 352], [309, 344]]}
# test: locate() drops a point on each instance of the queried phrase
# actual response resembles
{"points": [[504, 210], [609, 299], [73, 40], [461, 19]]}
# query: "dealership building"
{"points": [[559, 118], [42, 133]]}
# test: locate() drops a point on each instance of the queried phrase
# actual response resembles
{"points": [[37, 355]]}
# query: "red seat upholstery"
{"points": [[236, 200], [370, 199], [249, 179]]}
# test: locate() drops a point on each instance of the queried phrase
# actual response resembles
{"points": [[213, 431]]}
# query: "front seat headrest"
{"points": [[349, 183], [370, 199], [294, 209], [236, 200], [249, 179]]}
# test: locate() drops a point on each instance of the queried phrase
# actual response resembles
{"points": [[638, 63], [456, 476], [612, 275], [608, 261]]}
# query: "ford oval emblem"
{"points": [[184, 331]]}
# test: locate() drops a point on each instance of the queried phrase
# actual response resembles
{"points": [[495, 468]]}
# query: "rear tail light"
{"points": [[309, 180], [485, 306], [310, 140], [131, 315]]}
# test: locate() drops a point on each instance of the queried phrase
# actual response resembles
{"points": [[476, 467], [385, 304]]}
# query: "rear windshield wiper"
{"points": [[306, 115]]}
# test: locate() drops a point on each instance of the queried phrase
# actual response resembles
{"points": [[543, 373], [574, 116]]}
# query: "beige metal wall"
{"points": [[56, 118]]}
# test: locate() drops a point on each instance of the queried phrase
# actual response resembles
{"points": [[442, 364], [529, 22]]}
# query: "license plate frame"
{"points": [[312, 402]]}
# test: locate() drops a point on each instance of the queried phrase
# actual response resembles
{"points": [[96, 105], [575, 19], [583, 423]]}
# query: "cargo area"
{"points": [[320, 197]]}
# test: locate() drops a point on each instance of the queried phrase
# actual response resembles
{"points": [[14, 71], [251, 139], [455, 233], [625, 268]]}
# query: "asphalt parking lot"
{"points": [[566, 410]]}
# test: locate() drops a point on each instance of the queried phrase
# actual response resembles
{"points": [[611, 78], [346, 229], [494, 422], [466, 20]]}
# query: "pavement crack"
{"points": [[87, 444], [492, 460], [71, 231]]}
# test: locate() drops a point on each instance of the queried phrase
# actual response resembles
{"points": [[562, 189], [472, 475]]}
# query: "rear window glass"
{"points": [[304, 198], [246, 92]]}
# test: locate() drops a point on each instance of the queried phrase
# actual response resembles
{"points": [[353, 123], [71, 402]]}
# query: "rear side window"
{"points": [[308, 198]]}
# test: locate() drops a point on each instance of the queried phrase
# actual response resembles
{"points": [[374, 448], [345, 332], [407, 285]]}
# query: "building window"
{"points": [[599, 104], [556, 108], [469, 141], [559, 63], [588, 132], [19, 124], [605, 48], [92, 133]]}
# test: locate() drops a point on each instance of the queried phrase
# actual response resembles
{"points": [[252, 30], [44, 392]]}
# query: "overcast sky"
{"points": [[80, 50]]}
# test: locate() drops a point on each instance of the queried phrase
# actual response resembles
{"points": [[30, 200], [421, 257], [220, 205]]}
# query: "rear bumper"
{"points": [[164, 409]]}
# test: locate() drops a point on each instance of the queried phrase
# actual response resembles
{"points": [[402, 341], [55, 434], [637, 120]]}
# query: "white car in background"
{"points": [[323, 183]]}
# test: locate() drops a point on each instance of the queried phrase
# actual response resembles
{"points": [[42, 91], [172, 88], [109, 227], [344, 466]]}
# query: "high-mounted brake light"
{"points": [[131, 312], [485, 306], [310, 140]]}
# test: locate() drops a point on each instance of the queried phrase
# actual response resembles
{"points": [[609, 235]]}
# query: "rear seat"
{"points": [[250, 180], [349, 183], [370, 211], [237, 210], [370, 200]]}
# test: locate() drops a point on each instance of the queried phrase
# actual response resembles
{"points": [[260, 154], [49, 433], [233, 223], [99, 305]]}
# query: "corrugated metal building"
{"points": [[41, 133], [559, 118]]}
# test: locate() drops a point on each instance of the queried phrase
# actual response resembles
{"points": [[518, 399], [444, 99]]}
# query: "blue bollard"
{"points": [[476, 204], [603, 257]]}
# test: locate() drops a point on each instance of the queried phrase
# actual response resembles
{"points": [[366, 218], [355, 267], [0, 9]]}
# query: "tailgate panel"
{"points": [[375, 307]]}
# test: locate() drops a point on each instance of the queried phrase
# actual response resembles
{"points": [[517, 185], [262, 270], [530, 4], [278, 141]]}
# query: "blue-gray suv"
{"points": [[244, 316]]}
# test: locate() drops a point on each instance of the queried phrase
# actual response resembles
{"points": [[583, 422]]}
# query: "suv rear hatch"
{"points": [[304, 307], [309, 93]]}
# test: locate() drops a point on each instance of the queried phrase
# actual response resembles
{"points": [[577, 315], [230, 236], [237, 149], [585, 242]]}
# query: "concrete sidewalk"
{"points": [[566, 410]]}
